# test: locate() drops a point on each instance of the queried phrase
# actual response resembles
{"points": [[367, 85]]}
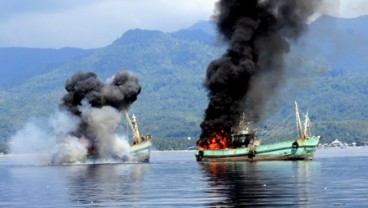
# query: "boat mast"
{"points": [[134, 127], [299, 123], [306, 125]]}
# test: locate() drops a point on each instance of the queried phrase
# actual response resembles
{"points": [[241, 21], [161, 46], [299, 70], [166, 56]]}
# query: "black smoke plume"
{"points": [[84, 88], [119, 92], [248, 74]]}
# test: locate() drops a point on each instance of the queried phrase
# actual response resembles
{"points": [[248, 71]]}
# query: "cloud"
{"points": [[89, 24], [342, 8], [96, 23]]}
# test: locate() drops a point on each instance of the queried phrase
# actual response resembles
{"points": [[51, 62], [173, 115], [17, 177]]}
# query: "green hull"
{"points": [[286, 150]]}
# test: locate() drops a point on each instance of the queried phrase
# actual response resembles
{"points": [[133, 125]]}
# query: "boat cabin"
{"points": [[243, 138]]}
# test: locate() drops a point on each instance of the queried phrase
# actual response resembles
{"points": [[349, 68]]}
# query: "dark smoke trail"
{"points": [[249, 73], [86, 89]]}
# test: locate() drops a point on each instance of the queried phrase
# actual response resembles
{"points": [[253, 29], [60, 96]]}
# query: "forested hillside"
{"points": [[171, 68]]}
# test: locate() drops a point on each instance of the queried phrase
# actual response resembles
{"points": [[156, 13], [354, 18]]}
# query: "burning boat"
{"points": [[243, 145], [249, 75]]}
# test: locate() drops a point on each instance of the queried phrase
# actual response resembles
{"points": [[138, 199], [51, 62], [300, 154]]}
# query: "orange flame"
{"points": [[217, 140]]}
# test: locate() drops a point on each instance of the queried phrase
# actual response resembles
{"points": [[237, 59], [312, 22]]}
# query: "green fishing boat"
{"points": [[248, 147]]}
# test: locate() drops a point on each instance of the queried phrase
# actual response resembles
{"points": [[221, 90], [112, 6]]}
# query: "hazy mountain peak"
{"points": [[202, 31], [208, 27], [139, 35]]}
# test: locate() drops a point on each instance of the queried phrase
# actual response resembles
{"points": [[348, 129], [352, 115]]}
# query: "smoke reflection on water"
{"points": [[238, 184]]}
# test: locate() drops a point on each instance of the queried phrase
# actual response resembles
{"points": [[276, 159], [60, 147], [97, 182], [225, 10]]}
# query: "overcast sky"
{"points": [[97, 23]]}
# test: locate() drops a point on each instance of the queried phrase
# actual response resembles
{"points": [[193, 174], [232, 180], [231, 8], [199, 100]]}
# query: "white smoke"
{"points": [[102, 122], [38, 138], [51, 139], [70, 150]]}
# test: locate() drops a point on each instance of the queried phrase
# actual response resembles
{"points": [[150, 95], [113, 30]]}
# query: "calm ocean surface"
{"points": [[174, 179]]}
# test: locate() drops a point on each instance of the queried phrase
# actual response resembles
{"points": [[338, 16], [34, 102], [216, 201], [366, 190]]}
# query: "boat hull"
{"points": [[286, 150], [140, 152]]}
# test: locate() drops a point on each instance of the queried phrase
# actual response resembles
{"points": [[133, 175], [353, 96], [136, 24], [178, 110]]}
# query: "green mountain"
{"points": [[171, 68]]}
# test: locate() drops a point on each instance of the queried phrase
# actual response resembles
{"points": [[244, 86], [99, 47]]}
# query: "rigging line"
{"points": [[278, 126]]}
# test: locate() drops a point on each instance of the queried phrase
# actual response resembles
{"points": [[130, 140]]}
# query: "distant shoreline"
{"points": [[320, 152], [341, 152]]}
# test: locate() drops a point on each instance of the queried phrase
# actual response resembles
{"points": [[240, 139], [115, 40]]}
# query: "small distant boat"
{"points": [[248, 148]]}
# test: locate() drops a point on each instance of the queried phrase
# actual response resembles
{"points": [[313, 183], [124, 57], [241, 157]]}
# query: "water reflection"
{"points": [[106, 185], [260, 183]]}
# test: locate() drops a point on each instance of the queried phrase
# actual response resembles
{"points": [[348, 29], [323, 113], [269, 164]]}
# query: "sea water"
{"points": [[174, 179]]}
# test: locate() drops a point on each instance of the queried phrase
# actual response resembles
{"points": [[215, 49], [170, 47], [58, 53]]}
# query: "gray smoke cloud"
{"points": [[102, 122], [258, 33]]}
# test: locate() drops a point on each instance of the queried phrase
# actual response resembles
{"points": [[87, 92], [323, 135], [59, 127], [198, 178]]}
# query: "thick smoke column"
{"points": [[248, 74], [98, 104]]}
